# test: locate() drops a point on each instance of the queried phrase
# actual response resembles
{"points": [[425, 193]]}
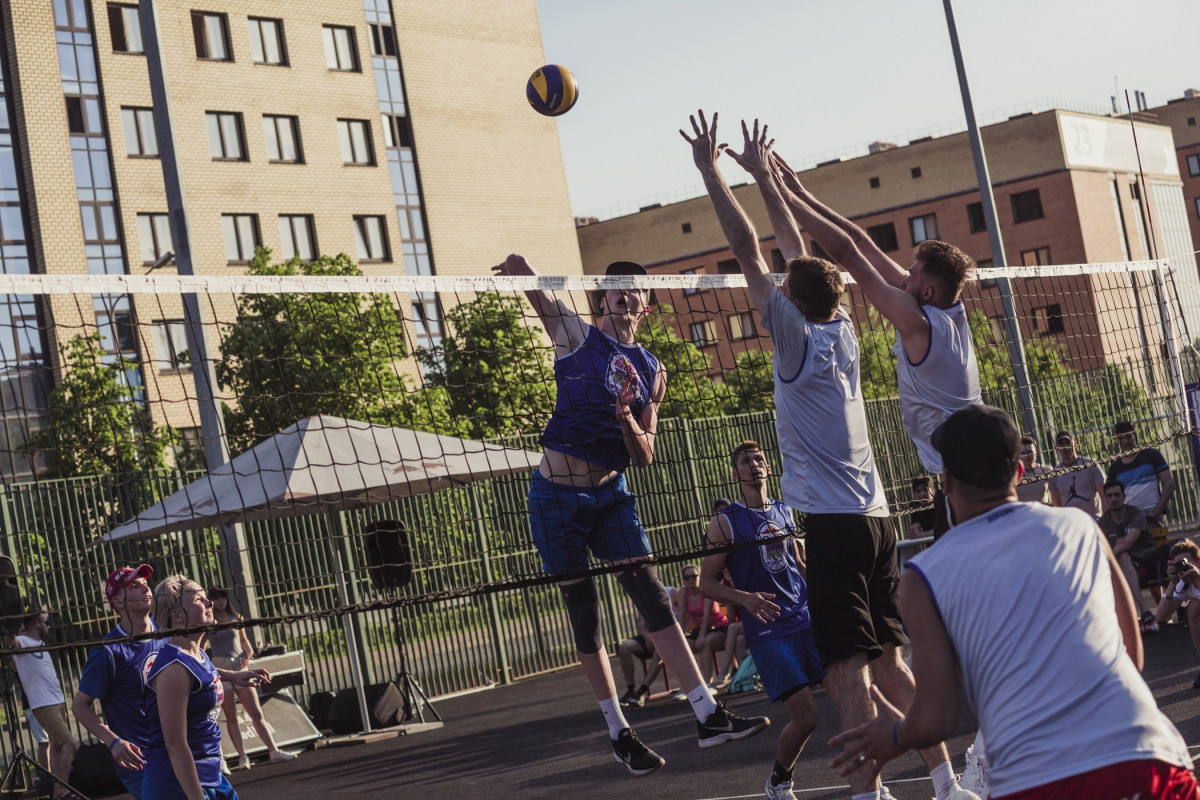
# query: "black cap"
{"points": [[980, 446], [625, 268], [1124, 426], [1063, 435], [721, 501]]}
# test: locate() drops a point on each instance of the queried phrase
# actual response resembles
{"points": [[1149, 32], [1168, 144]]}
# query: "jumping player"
{"points": [[605, 417]]}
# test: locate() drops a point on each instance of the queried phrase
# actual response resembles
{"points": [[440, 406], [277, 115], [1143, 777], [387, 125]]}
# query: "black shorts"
{"points": [[646, 645], [853, 585]]}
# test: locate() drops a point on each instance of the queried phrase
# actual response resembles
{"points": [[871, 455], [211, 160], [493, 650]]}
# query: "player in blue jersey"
{"points": [[768, 583], [605, 417]]}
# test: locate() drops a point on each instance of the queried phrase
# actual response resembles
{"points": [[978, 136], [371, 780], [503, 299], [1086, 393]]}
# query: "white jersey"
{"points": [[828, 466], [37, 674], [942, 382], [1041, 655]]}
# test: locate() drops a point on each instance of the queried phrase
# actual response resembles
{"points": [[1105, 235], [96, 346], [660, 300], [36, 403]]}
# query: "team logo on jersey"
{"points": [[621, 372], [219, 695], [148, 665], [774, 554]]}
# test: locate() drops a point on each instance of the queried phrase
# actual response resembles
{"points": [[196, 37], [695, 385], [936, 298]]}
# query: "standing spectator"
{"points": [[921, 523], [45, 694], [1128, 534], [231, 650], [1080, 488], [1035, 491], [1147, 478]]}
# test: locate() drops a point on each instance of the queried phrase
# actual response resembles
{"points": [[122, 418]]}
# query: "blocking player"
{"points": [[605, 418], [769, 585]]}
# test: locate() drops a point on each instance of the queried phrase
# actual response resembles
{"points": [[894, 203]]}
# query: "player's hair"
{"points": [[743, 447], [216, 592], [1186, 546], [1111, 482], [168, 596], [29, 619], [922, 482], [816, 284], [947, 267], [1027, 439]]}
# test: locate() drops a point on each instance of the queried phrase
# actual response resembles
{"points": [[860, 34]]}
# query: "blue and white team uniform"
{"points": [[567, 521], [113, 675], [783, 649], [203, 733]]}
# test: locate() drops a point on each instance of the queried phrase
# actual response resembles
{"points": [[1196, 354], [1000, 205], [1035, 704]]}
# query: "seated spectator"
{"points": [[1129, 534], [1183, 589], [1036, 492], [735, 650], [708, 623], [1147, 478], [638, 646], [921, 522]]}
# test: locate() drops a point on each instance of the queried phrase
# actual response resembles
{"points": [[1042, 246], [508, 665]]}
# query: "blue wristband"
{"points": [[896, 735], [113, 743]]}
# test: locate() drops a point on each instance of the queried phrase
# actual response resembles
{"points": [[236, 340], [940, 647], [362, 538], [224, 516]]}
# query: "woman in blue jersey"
{"points": [[183, 702]]}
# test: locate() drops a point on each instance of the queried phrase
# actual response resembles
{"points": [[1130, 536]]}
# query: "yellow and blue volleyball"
{"points": [[552, 90]]}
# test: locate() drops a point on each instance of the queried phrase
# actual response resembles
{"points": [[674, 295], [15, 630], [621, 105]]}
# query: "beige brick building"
{"points": [[317, 126]]}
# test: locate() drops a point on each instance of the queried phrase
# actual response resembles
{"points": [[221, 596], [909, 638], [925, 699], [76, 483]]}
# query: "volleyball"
{"points": [[552, 90]]}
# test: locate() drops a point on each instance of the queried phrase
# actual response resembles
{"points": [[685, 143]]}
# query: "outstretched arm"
{"points": [[755, 158], [739, 231], [562, 324]]}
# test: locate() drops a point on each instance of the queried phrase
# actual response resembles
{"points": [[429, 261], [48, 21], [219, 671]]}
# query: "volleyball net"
{"points": [[381, 434]]}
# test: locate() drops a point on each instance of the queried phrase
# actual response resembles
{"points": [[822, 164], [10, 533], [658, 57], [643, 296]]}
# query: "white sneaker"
{"points": [[781, 792], [959, 793], [225, 767], [884, 794], [244, 762], [282, 755], [679, 697], [975, 777]]}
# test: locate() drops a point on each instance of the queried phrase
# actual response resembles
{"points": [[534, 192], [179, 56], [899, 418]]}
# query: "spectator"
{"points": [[707, 621], [1036, 491], [720, 504], [45, 694], [1129, 535], [1080, 488], [921, 523], [638, 646], [1182, 588], [1147, 478]]}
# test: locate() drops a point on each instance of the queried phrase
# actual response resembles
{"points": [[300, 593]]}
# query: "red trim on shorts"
{"points": [[1148, 779]]}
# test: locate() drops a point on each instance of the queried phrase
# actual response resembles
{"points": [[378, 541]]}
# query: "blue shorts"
{"points": [[132, 780], [788, 663], [158, 789], [570, 521]]}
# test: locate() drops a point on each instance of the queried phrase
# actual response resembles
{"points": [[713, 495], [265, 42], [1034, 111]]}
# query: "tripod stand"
{"points": [[16, 779], [415, 699]]}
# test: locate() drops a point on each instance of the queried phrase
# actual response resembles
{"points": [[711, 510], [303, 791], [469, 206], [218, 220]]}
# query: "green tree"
{"points": [[751, 382], [96, 425], [690, 391]]}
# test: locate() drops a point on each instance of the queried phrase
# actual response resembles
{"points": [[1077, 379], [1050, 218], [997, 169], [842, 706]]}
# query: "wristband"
{"points": [[896, 735], [113, 743]]}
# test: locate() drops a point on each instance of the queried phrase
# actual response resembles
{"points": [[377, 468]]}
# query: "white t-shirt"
{"points": [[1056, 693], [828, 466], [1185, 591], [942, 382], [1035, 492], [38, 678]]}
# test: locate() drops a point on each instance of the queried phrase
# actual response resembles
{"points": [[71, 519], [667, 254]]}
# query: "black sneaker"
{"points": [[630, 699], [725, 726], [643, 694], [637, 758]]}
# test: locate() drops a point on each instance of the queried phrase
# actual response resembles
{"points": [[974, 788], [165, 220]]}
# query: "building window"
{"points": [[1036, 258], [1197, 201], [154, 233], [729, 267], [117, 332], [241, 237], [691, 290], [296, 236], [916, 172], [687, 227], [283, 139], [702, 334], [818, 251], [211, 31], [139, 132], [83, 116], [874, 182], [884, 236], [341, 51], [225, 137], [923, 227], [355, 139], [1048, 319], [371, 237], [383, 40], [975, 218], [1191, 122], [778, 262], [396, 131], [266, 41], [125, 29], [741, 326], [170, 345], [1027, 206], [1193, 162]]}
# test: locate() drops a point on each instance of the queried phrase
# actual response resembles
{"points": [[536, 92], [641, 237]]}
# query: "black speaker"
{"points": [[389, 556], [385, 704], [319, 706], [94, 772], [11, 607]]}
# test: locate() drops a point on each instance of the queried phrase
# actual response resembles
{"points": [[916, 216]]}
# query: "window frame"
{"points": [[976, 219], [295, 131], [927, 221], [380, 33], [255, 233], [310, 230], [119, 21], [362, 238], [1026, 206], [168, 327], [1193, 164], [200, 34], [1048, 319], [253, 27], [152, 219], [889, 228], [241, 134], [368, 143], [729, 266], [745, 323], [689, 291], [708, 327], [1037, 253], [138, 114], [329, 39]]}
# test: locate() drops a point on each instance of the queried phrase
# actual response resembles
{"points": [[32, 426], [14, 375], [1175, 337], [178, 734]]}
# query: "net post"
{"points": [[333, 535], [493, 604], [1174, 363], [235, 553]]}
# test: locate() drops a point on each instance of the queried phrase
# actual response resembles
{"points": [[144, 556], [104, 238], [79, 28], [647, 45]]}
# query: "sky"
{"points": [[830, 77]]}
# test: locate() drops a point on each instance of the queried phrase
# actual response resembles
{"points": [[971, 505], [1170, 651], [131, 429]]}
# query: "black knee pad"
{"points": [[583, 609], [649, 596]]}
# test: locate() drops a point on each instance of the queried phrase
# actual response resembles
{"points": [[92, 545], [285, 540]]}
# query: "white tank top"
{"points": [[1040, 653], [944, 381]]}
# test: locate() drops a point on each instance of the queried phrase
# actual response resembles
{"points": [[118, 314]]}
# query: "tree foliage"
{"points": [[96, 424], [751, 382], [690, 391]]}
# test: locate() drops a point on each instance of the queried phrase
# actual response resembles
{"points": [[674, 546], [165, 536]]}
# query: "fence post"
{"points": [[689, 457], [493, 605], [1173, 362]]}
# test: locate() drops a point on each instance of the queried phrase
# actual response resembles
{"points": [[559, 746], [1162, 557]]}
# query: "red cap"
{"points": [[120, 578]]}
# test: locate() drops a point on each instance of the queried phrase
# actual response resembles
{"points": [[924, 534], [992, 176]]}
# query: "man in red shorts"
{"points": [[1060, 698]]}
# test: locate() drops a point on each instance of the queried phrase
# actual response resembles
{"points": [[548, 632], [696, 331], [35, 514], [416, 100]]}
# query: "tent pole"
{"points": [[339, 571]]}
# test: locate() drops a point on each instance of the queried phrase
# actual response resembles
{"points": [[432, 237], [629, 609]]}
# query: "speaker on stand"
{"points": [[389, 563]]}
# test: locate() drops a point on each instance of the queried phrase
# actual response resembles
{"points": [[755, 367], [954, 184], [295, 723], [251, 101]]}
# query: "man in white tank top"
{"points": [[1059, 696]]}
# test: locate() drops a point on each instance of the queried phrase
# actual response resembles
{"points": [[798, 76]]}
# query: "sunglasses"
{"points": [[687, 576]]}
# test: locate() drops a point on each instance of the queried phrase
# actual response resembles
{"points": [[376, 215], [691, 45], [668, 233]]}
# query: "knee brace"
{"points": [[583, 609], [649, 596]]}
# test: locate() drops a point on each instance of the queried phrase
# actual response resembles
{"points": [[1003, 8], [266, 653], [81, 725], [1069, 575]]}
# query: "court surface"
{"points": [[544, 738]]}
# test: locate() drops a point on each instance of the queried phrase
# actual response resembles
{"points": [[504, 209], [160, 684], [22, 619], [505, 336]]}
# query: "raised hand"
{"points": [[756, 153], [786, 175], [705, 149], [514, 265]]}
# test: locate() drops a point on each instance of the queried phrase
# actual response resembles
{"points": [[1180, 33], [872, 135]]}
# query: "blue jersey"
{"points": [[770, 569], [584, 423], [203, 710], [113, 675]]}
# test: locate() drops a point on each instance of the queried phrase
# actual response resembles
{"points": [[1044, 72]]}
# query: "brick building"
{"points": [[315, 126], [1066, 192], [1181, 116]]}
